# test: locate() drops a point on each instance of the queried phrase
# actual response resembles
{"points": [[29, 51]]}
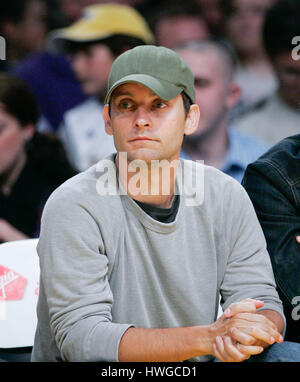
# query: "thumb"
{"points": [[248, 305]]}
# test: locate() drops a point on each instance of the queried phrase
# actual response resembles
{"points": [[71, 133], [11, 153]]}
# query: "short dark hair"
{"points": [[222, 46], [228, 7], [186, 103], [117, 44], [12, 11], [166, 8], [18, 100], [282, 23], [44, 149]]}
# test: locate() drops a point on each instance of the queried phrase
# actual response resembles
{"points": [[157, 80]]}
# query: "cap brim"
{"points": [[162, 88], [76, 35]]}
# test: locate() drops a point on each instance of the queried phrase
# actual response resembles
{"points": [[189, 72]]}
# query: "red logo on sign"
{"points": [[12, 284]]}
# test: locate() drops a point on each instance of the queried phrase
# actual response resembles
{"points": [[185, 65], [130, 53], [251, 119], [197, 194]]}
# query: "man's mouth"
{"points": [[141, 138]]}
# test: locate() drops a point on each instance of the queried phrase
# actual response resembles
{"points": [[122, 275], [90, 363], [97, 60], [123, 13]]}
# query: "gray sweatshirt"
{"points": [[106, 265]]}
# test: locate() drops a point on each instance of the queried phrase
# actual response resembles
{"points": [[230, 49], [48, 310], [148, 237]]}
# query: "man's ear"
{"points": [[107, 120], [234, 95], [192, 120]]}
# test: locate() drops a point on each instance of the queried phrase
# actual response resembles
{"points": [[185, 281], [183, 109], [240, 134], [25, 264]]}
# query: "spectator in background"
{"points": [[279, 116], [32, 165], [214, 16], [73, 9], [24, 27], [104, 32], [175, 22], [49, 73], [243, 27], [272, 183], [217, 142], [52, 80]]}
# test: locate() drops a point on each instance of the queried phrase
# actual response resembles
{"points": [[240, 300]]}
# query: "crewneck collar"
{"points": [[145, 219]]}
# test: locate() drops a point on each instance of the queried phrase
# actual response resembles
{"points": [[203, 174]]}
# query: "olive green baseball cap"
{"points": [[158, 68]]}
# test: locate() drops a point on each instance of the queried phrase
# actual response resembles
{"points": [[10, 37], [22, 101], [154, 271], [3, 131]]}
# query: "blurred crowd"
{"points": [[53, 81]]}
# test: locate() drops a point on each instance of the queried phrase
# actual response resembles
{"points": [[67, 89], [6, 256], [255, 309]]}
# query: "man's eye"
{"points": [[201, 83], [160, 104], [125, 104]]}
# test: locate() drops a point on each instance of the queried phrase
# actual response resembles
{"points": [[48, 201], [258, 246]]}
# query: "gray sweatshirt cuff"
{"points": [[104, 340]]}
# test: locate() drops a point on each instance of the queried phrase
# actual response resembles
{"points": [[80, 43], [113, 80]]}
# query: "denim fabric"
{"points": [[284, 352], [273, 184]]}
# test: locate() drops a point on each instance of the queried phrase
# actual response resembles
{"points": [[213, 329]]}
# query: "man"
{"points": [[243, 27], [104, 32], [23, 24], [134, 274], [279, 116], [217, 142], [175, 22], [273, 185]]}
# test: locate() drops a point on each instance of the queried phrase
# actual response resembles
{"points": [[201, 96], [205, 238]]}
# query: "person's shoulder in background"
{"points": [[271, 120], [52, 80]]}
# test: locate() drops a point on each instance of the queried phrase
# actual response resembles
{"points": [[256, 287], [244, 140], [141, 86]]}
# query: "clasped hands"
{"points": [[241, 332]]}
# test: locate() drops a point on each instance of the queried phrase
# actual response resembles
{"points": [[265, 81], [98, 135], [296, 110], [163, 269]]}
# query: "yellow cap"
{"points": [[102, 21]]}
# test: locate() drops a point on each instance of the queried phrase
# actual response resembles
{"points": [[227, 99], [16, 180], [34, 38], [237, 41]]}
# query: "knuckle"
{"points": [[249, 341]]}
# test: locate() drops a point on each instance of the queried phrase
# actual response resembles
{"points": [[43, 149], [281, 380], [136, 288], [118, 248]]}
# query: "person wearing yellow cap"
{"points": [[93, 42]]}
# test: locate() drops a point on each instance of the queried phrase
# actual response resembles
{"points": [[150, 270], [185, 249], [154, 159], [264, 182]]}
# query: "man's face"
{"points": [[244, 27], [173, 31], [30, 33], [288, 71], [145, 126], [92, 67], [213, 94], [12, 141]]}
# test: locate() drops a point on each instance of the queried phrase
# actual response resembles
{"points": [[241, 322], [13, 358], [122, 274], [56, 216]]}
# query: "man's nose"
{"points": [[142, 119]]}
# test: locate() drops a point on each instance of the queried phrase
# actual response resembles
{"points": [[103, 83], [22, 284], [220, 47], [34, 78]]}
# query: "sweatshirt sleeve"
{"points": [[248, 271], [74, 275]]}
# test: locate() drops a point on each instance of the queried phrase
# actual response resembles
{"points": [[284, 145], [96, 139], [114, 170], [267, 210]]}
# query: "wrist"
{"points": [[205, 337]]}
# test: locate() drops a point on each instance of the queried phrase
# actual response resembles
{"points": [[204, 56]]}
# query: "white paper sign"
{"points": [[19, 287]]}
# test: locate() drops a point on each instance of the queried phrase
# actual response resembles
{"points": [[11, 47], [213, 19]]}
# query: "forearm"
{"points": [[165, 345]]}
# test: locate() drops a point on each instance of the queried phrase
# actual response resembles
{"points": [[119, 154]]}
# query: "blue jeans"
{"points": [[283, 352]]}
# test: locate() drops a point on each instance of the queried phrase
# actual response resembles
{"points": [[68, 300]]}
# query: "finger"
{"points": [[221, 350], [259, 321], [217, 354], [257, 318], [249, 305], [233, 352], [262, 335], [298, 239], [227, 351], [249, 350], [241, 337]]}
